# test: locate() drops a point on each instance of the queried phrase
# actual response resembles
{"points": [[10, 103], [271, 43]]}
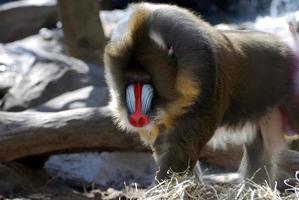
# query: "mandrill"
{"points": [[181, 84]]}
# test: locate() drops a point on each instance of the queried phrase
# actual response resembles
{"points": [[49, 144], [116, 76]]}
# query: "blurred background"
{"points": [[54, 142]]}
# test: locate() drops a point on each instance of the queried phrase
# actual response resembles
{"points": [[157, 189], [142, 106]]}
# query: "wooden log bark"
{"points": [[31, 133]]}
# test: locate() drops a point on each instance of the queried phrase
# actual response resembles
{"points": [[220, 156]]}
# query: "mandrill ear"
{"points": [[157, 38], [178, 32], [189, 41]]}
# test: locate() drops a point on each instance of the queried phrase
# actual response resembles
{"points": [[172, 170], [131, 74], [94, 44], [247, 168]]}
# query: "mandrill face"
{"points": [[142, 87], [151, 87]]}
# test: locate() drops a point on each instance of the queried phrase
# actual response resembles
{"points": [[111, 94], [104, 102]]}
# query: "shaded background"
{"points": [[52, 64]]}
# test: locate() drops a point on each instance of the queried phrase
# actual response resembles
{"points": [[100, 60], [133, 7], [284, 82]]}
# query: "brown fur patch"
{"points": [[189, 92], [135, 28], [138, 22], [149, 137]]}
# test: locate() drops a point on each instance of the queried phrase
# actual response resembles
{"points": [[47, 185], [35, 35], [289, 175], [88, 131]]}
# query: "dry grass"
{"points": [[182, 186]]}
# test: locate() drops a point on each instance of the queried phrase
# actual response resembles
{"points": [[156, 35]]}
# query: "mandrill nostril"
{"points": [[138, 120]]}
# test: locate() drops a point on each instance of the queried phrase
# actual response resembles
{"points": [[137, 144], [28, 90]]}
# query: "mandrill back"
{"points": [[199, 79], [263, 69]]}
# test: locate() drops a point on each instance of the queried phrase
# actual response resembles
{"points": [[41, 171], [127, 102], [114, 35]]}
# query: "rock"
{"points": [[49, 77], [13, 64], [110, 19], [46, 76], [89, 96], [17, 179], [20, 19], [47, 40], [20, 182], [43, 71], [15, 59], [105, 169], [7, 80]]}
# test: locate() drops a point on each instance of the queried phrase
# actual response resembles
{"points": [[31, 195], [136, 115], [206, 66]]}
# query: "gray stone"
{"points": [[20, 19], [43, 71], [7, 80], [49, 77], [89, 96], [106, 169]]}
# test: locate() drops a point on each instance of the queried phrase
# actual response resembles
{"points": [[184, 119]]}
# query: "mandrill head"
{"points": [[150, 68]]}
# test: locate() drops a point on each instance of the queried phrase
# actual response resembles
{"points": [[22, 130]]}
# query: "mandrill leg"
{"points": [[256, 163], [176, 156], [267, 157], [285, 162], [178, 150]]}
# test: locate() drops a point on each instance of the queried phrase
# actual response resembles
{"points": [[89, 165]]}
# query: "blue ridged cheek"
{"points": [[130, 98], [146, 98]]}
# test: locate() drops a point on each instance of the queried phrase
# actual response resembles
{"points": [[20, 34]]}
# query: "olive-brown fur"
{"points": [[203, 79]]}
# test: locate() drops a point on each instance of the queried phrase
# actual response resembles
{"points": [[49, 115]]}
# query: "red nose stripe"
{"points": [[137, 94], [137, 118]]}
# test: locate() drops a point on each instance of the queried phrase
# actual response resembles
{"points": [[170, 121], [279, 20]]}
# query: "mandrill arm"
{"points": [[178, 149]]}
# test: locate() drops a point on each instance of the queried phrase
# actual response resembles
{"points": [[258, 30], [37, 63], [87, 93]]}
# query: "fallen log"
{"points": [[29, 133], [88, 129]]}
